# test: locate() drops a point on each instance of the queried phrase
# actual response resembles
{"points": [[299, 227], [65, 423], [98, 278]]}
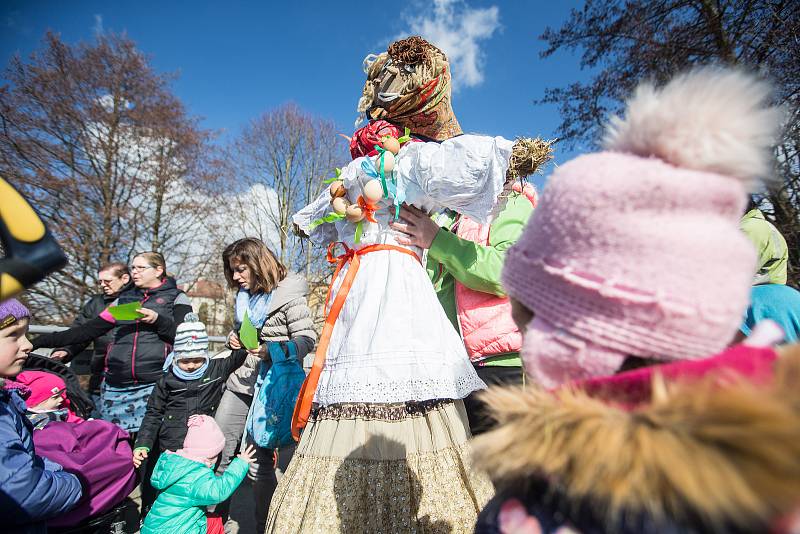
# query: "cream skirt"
{"points": [[368, 468]]}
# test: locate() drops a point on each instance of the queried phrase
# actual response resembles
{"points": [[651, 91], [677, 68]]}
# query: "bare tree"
{"points": [[178, 209], [624, 42], [89, 133], [280, 160]]}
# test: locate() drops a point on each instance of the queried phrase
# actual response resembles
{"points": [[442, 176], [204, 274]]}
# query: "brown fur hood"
{"points": [[728, 453]]}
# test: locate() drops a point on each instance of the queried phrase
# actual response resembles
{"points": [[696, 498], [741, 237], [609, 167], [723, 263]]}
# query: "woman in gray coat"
{"points": [[275, 302]]}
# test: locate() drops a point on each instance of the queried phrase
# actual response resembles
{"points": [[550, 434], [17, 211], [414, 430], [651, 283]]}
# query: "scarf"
{"points": [[409, 85], [180, 373], [256, 306], [12, 385]]}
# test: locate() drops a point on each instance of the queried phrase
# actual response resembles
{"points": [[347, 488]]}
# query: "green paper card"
{"points": [[126, 312], [248, 334]]}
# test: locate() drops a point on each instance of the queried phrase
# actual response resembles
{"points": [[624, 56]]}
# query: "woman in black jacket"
{"points": [[135, 357]]}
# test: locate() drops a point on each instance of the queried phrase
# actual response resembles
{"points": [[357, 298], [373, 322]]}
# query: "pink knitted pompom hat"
{"points": [[204, 440], [636, 250]]}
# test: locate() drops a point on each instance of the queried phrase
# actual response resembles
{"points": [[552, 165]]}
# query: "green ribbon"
{"points": [[331, 217], [359, 231], [331, 180], [405, 138], [382, 152]]}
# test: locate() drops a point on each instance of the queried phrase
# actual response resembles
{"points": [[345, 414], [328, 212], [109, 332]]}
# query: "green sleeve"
{"points": [[759, 234], [479, 266], [215, 489]]}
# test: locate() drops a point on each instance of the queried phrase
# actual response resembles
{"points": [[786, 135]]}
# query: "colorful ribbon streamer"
{"points": [[368, 208], [331, 180], [406, 137], [329, 218], [359, 232]]}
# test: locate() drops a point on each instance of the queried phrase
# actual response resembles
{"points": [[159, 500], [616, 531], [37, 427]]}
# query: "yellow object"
{"points": [[391, 144], [770, 245], [354, 213], [18, 216], [339, 205], [31, 252], [388, 162], [9, 286]]}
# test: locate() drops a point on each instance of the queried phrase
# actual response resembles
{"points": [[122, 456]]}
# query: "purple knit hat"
{"points": [[636, 250], [11, 311]]}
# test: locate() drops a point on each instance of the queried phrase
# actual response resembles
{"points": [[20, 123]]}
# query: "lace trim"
{"points": [[382, 412], [344, 389]]}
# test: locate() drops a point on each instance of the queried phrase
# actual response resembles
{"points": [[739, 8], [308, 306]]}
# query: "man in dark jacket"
{"points": [[114, 278]]}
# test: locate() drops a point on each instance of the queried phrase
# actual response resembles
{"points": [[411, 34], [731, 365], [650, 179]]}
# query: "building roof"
{"points": [[205, 289]]}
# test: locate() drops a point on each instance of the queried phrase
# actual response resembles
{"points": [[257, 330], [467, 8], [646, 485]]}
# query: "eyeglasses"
{"points": [[140, 268]]}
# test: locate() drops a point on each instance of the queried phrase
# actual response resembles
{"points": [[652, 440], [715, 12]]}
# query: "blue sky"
{"points": [[236, 60]]}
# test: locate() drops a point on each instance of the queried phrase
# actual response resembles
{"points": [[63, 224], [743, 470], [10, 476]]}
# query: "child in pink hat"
{"points": [[634, 253], [634, 258], [187, 483], [48, 395]]}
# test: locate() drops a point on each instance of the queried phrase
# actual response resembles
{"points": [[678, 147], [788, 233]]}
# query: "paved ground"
{"points": [[241, 520]]}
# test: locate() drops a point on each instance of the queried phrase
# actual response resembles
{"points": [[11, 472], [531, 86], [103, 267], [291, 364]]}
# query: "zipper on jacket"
{"points": [[135, 340], [482, 361], [133, 353], [105, 360]]}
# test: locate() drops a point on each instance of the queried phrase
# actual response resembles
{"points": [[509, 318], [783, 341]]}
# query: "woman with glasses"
{"points": [[114, 278], [135, 357]]}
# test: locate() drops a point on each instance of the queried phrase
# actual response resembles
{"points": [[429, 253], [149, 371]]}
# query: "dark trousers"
{"points": [[148, 492], [479, 420]]}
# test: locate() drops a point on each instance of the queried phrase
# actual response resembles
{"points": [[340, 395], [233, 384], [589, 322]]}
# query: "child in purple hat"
{"points": [[32, 489]]}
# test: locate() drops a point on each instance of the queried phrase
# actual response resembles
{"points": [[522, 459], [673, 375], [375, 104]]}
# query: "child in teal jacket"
{"points": [[187, 481]]}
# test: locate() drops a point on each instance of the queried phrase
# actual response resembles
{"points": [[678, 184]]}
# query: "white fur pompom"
{"points": [[709, 119]]}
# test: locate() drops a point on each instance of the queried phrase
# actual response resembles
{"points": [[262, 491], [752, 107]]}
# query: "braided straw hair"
{"points": [[414, 50]]}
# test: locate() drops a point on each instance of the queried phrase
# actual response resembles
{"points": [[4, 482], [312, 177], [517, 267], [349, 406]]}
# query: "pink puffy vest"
{"points": [[485, 319]]}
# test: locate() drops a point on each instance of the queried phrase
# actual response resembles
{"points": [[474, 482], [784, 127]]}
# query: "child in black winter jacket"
{"points": [[192, 384]]}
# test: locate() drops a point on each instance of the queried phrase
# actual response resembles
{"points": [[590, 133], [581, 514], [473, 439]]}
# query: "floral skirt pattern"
{"points": [[365, 468]]}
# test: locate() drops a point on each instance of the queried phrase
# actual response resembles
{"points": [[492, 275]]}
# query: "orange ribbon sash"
{"points": [[302, 409]]}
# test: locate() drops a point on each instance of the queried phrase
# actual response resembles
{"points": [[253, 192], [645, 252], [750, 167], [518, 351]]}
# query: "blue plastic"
{"points": [[269, 421]]}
